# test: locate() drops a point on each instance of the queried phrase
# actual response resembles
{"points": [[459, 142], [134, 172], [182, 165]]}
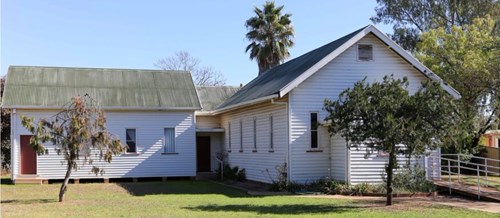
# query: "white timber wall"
{"points": [[341, 73], [207, 122], [257, 162], [149, 160]]}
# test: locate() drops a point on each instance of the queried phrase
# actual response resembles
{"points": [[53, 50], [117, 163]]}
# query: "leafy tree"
{"points": [[384, 116], [202, 76], [410, 17], [4, 131], [270, 34], [78, 132], [468, 58]]}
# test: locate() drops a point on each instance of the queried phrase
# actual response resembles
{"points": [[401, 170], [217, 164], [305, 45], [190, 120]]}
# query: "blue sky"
{"points": [[134, 34]]}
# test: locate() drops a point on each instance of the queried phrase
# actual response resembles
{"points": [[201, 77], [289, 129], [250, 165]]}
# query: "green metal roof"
{"points": [[272, 80], [52, 87], [212, 96]]}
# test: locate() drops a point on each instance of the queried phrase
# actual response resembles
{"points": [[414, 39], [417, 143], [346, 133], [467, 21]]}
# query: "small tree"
{"points": [[4, 131], [78, 132], [383, 116]]}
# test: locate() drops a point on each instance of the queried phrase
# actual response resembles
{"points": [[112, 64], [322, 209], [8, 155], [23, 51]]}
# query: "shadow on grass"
{"points": [[180, 188], [29, 201], [279, 209], [6, 181]]}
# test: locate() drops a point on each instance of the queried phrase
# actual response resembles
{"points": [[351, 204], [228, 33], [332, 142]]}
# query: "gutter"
{"points": [[36, 107], [239, 105]]}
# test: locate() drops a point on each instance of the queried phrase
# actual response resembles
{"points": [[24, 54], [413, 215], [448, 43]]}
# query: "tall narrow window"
{"points": [[314, 130], [229, 136], [255, 134], [271, 133], [365, 52], [131, 140], [241, 135], [169, 142]]}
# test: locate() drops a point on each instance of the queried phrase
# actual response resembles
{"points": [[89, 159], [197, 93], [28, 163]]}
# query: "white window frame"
{"points": [[316, 131], [271, 133], [165, 141], [229, 136], [136, 139], [357, 52], [254, 134], [241, 135]]}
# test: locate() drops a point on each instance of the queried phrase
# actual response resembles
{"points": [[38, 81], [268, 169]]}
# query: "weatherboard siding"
{"points": [[149, 162], [257, 164], [327, 83], [207, 122]]}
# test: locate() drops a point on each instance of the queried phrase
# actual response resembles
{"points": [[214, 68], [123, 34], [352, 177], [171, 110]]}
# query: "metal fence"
{"points": [[459, 168]]}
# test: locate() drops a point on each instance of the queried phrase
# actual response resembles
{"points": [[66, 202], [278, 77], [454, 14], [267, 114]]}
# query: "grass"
{"points": [[195, 199]]}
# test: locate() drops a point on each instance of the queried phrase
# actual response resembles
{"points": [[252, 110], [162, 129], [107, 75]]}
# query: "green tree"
{"points": [[468, 58], [410, 18], [271, 34], [79, 133], [4, 131], [382, 116]]}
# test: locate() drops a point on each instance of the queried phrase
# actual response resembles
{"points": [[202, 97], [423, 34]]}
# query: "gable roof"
{"points": [[280, 80], [213, 96], [53, 87]]}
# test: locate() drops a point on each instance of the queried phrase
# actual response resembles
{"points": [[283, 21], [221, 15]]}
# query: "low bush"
{"points": [[232, 173], [411, 179]]}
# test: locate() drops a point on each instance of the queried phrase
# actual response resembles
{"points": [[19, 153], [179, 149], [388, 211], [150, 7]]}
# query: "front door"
{"points": [[203, 153], [28, 156]]}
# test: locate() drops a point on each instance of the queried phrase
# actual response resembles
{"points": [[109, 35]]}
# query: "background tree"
{"points": [[382, 116], [270, 34], [410, 18], [202, 76], [79, 133], [4, 131], [468, 58]]}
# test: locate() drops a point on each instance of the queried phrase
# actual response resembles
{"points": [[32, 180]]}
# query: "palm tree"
{"points": [[270, 34]]}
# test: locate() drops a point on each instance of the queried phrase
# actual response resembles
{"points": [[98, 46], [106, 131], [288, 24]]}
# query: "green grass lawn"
{"points": [[195, 199]]}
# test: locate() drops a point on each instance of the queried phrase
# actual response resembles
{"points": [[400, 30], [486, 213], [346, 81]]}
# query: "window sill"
{"points": [[314, 150], [169, 153], [241, 151], [254, 151], [131, 154]]}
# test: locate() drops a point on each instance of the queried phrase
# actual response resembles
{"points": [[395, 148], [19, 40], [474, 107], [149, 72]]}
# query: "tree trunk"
{"points": [[390, 172], [62, 191]]}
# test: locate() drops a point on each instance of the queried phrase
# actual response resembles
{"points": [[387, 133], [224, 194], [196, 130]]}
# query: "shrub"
{"points": [[232, 173], [411, 179]]}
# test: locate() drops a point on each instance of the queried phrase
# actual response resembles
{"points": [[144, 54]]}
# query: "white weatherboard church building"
{"points": [[175, 129]]}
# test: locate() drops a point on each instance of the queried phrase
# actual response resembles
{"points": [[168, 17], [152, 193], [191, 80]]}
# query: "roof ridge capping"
{"points": [[98, 68]]}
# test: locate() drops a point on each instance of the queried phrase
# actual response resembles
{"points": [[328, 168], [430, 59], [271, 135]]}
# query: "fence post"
{"points": [[449, 177], [458, 155], [478, 184], [486, 171]]}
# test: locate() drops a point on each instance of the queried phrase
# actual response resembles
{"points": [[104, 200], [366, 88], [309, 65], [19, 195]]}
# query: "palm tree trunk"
{"points": [[62, 191]]}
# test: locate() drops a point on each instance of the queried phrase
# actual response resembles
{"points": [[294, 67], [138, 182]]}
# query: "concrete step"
{"points": [[28, 179]]}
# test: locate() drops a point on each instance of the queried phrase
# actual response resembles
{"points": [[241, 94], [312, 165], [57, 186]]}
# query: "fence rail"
{"points": [[456, 164]]}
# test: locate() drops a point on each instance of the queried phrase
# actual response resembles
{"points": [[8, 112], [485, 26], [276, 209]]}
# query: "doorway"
{"points": [[28, 156], [203, 153]]}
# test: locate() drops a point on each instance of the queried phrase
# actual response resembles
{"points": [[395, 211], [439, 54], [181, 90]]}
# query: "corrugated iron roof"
{"points": [[212, 96], [47, 87], [273, 80]]}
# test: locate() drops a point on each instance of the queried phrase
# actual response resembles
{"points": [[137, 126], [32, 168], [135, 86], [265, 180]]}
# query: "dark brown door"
{"points": [[28, 156], [203, 153]]}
